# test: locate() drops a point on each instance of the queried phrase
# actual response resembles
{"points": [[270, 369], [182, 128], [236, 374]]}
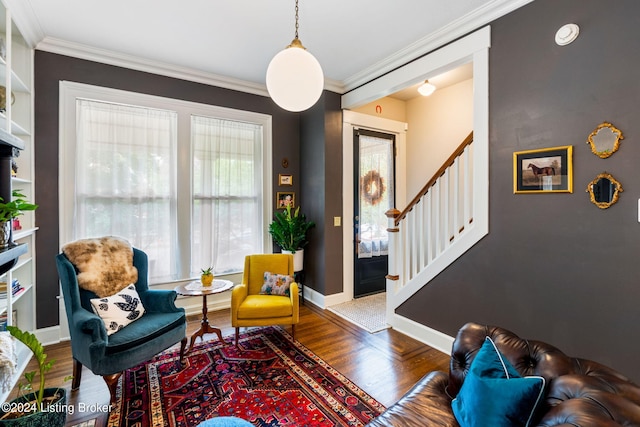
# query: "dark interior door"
{"points": [[374, 195]]}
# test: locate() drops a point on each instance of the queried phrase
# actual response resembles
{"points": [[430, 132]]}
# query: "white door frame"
{"points": [[472, 48], [351, 121]]}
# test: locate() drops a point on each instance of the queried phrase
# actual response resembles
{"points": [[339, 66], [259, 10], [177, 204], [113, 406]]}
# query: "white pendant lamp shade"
{"points": [[294, 78], [426, 89]]}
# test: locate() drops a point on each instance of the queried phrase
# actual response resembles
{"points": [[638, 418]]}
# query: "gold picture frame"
{"points": [[284, 199], [284, 179], [546, 170]]}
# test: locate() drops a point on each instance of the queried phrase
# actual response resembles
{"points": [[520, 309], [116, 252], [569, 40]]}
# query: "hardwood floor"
{"points": [[385, 364]]}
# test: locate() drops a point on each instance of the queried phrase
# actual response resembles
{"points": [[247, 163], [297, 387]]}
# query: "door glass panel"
{"points": [[376, 194]]}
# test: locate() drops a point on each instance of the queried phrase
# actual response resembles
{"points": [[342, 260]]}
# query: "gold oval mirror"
{"points": [[605, 140], [604, 190]]}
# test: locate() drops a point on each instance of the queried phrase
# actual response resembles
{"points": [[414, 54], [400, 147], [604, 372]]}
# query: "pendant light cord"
{"points": [[296, 41], [297, 26]]}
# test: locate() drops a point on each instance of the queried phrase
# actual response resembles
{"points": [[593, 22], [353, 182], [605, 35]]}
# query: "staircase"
{"points": [[447, 217]]}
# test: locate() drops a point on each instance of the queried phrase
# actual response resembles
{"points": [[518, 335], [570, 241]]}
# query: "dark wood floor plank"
{"points": [[385, 364]]}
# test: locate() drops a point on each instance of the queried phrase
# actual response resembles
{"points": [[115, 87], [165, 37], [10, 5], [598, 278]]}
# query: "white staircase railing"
{"points": [[437, 227]]}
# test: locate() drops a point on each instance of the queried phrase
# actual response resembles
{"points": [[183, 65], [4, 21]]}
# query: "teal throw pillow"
{"points": [[494, 394]]}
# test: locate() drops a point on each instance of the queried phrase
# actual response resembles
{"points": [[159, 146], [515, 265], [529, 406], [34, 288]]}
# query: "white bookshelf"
{"points": [[16, 74]]}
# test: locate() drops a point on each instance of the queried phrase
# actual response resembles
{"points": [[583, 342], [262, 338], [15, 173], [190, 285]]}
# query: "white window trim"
{"points": [[70, 91]]}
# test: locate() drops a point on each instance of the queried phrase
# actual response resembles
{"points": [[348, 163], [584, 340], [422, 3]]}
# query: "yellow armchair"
{"points": [[250, 308]]}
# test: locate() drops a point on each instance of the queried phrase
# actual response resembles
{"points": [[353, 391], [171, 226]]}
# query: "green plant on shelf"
{"points": [[16, 207]]}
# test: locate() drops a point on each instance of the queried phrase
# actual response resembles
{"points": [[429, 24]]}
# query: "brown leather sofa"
{"points": [[579, 392]]}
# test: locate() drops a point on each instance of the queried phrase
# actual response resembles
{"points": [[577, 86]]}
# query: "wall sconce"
{"points": [[426, 88]]}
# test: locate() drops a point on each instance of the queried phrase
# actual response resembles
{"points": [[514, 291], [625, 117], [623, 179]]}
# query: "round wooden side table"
{"points": [[197, 289]]}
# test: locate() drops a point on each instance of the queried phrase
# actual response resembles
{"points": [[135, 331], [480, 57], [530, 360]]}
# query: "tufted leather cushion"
{"points": [[580, 392]]}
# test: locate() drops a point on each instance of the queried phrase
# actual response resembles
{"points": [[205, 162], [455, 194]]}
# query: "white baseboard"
{"points": [[49, 335], [422, 333], [324, 301]]}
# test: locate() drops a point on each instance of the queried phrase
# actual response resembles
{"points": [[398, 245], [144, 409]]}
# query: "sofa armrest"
{"points": [[426, 404]]}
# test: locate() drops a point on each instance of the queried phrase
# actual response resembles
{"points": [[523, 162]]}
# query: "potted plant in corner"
{"points": [[8, 212], [289, 231], [41, 406]]}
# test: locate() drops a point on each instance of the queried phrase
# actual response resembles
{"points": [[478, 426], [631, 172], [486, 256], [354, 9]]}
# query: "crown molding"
{"points": [[450, 32], [90, 53]]}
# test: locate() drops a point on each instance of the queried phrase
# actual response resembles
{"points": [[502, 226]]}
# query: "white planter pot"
{"points": [[298, 259]]}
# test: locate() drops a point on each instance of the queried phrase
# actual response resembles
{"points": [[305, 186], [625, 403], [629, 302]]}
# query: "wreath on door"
{"points": [[372, 187]]}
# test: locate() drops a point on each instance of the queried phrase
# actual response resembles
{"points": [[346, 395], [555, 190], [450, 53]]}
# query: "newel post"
{"points": [[393, 274]]}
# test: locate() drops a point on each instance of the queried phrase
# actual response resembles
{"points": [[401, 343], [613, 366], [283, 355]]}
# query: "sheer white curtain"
{"points": [[376, 194], [126, 178], [227, 193]]}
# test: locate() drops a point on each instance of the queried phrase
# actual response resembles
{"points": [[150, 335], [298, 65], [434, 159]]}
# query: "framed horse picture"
{"points": [[547, 170]]}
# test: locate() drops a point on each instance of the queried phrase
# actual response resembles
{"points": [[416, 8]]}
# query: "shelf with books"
{"points": [[21, 292], [4, 319]]}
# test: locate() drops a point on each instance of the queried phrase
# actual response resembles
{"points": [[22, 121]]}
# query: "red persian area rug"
{"points": [[268, 380]]}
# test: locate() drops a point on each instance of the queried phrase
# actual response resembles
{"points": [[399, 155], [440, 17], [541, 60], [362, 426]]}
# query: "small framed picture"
{"points": [[285, 198], [547, 170], [285, 179]]}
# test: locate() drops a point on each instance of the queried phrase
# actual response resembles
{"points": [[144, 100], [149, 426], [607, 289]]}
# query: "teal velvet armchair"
{"points": [[161, 326]]}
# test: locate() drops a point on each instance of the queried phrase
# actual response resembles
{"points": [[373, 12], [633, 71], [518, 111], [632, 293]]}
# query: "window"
{"points": [[226, 192], [184, 182]]}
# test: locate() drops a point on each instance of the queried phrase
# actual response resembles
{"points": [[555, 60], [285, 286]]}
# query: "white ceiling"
{"points": [[354, 40]]}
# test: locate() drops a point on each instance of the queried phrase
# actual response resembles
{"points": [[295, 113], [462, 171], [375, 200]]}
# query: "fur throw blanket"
{"points": [[105, 265]]}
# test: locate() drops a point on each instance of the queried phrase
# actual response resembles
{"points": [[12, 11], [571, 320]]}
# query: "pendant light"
{"points": [[426, 88], [294, 76]]}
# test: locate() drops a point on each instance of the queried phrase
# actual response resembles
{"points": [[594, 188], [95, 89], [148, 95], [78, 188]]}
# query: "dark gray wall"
{"points": [[50, 69], [321, 163], [554, 267]]}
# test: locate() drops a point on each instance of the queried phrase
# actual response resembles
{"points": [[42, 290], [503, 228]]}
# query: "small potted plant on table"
{"points": [[41, 406], [206, 278]]}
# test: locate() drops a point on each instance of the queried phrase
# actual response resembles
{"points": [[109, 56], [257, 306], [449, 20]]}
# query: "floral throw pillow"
{"points": [[119, 310], [276, 284]]}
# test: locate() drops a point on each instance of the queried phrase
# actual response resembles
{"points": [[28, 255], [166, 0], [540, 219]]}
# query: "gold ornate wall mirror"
{"points": [[605, 140], [604, 190]]}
